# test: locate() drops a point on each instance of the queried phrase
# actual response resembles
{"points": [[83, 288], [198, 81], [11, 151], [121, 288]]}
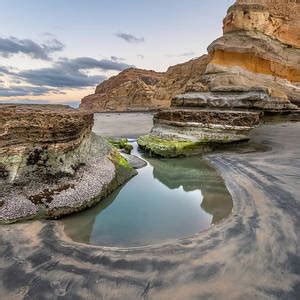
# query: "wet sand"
{"points": [[125, 125], [254, 254]]}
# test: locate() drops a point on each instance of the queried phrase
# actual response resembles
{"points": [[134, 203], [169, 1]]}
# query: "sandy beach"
{"points": [[254, 254], [126, 125]]}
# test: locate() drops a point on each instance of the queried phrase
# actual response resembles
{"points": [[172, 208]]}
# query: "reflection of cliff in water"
{"points": [[195, 174], [80, 226]]}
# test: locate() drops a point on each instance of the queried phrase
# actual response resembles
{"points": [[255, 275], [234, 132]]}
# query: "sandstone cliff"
{"points": [[255, 65], [259, 52], [133, 89]]}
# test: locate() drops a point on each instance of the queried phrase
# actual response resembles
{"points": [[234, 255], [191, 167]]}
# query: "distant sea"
{"points": [[74, 104]]}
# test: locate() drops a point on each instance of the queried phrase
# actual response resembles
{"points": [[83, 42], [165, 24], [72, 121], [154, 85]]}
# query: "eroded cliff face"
{"points": [[51, 164], [182, 78], [259, 51], [133, 89], [142, 90], [42, 138], [278, 19], [255, 65]]}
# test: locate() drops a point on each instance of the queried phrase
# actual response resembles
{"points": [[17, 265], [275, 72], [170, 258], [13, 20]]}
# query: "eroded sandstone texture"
{"points": [[187, 131], [254, 66], [131, 90], [259, 51], [51, 164]]}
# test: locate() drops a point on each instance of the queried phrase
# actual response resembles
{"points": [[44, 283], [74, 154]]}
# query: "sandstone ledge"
{"points": [[56, 166], [187, 132]]}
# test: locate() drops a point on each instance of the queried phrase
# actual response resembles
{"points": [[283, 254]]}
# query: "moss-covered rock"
{"points": [[122, 144], [62, 169], [173, 148]]}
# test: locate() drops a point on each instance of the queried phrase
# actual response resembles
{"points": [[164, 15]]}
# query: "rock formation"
{"points": [[51, 164], [255, 65], [260, 50], [131, 90], [259, 53], [185, 132]]}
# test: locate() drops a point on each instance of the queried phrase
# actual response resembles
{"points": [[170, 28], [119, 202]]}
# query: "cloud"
{"points": [[5, 70], [57, 77], [69, 73], [12, 45], [88, 63], [65, 73], [15, 91], [185, 54], [129, 38], [116, 58], [140, 56]]}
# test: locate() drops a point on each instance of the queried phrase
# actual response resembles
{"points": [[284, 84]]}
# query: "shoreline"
{"points": [[257, 247]]}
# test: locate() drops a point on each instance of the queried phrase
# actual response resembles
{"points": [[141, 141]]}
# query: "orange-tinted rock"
{"points": [[182, 78], [256, 64], [259, 50], [279, 19], [132, 89]]}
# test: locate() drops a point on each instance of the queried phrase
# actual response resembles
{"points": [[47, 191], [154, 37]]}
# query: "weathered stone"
{"points": [[186, 132], [51, 164], [259, 50], [278, 19], [207, 118], [131, 90], [251, 99], [135, 161]]}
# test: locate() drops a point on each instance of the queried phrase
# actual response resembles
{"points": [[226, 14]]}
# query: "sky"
{"points": [[57, 51]]}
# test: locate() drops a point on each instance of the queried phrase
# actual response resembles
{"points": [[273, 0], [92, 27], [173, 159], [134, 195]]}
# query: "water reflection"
{"points": [[192, 174], [168, 199]]}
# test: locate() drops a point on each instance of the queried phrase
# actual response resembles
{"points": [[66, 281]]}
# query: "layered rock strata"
{"points": [[186, 131], [51, 164], [131, 90], [259, 51], [254, 66]]}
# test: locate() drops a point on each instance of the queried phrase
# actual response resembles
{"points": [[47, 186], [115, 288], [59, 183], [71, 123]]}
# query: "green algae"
{"points": [[121, 144], [173, 148]]}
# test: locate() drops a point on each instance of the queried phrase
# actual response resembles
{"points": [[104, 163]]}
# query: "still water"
{"points": [[168, 199]]}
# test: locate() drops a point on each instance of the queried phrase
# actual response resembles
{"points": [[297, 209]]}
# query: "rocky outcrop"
{"points": [[182, 78], [51, 164], [186, 132], [142, 90], [278, 19], [131, 90], [254, 66], [259, 51]]}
